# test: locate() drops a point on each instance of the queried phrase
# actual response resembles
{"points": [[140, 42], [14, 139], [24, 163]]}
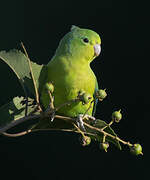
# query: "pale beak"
{"points": [[97, 49]]}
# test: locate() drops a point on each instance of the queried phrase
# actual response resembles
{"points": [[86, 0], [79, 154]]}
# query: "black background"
{"points": [[122, 68]]}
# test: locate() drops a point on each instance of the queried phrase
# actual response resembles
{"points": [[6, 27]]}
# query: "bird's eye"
{"points": [[86, 40]]}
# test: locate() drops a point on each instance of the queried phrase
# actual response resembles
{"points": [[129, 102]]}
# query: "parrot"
{"points": [[70, 72]]}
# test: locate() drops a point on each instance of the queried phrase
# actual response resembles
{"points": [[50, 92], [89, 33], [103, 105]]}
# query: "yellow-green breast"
{"points": [[68, 80]]}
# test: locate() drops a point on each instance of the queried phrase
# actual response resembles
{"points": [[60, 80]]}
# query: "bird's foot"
{"points": [[88, 117], [79, 121], [50, 113], [52, 116], [80, 118]]}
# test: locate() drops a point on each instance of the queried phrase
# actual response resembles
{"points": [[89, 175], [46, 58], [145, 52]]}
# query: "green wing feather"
{"points": [[96, 100]]}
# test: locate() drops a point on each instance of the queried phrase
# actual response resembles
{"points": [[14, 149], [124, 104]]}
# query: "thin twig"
{"points": [[107, 134], [26, 118], [26, 108], [37, 130], [65, 118], [32, 76], [16, 134], [79, 130], [108, 125], [68, 119], [104, 137], [88, 109], [51, 104], [18, 121], [66, 103]]}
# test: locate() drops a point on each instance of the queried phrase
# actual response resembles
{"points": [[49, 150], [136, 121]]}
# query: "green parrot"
{"points": [[69, 71]]}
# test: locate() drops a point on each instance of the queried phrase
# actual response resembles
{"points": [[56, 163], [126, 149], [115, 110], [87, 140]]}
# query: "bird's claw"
{"points": [[52, 116], [80, 118], [94, 120], [88, 117], [79, 121]]}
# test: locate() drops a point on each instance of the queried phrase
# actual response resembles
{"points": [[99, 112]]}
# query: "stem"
{"points": [[104, 137], [26, 109], [35, 130], [32, 76], [68, 119], [65, 118], [107, 134], [56, 129], [79, 130], [18, 121], [66, 103], [16, 134], [88, 108], [111, 122], [51, 104]]}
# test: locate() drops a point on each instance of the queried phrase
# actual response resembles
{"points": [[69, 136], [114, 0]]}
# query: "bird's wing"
{"points": [[95, 99]]}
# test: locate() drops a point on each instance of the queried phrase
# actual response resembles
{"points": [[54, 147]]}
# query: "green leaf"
{"points": [[99, 136], [39, 73], [18, 62], [14, 110]]}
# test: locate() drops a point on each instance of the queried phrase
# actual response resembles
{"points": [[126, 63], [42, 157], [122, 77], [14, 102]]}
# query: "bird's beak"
{"points": [[97, 49]]}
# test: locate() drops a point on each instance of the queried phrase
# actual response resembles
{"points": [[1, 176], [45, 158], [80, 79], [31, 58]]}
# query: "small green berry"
{"points": [[116, 116], [104, 146], [84, 97], [101, 94], [85, 141], [49, 86], [136, 149]]}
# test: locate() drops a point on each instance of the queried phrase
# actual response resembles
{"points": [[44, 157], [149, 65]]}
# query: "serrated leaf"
{"points": [[100, 124], [39, 73], [18, 62], [14, 110]]}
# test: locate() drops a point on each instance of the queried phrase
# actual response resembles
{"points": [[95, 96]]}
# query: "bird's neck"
{"points": [[72, 60]]}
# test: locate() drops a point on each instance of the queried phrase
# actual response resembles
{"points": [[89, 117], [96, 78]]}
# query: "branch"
{"points": [[107, 134], [68, 119], [47, 113], [66, 104], [32, 76], [35, 130], [51, 105], [16, 134], [19, 121], [88, 108]]}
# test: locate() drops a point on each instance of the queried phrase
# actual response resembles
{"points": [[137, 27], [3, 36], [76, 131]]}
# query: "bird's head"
{"points": [[81, 44]]}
